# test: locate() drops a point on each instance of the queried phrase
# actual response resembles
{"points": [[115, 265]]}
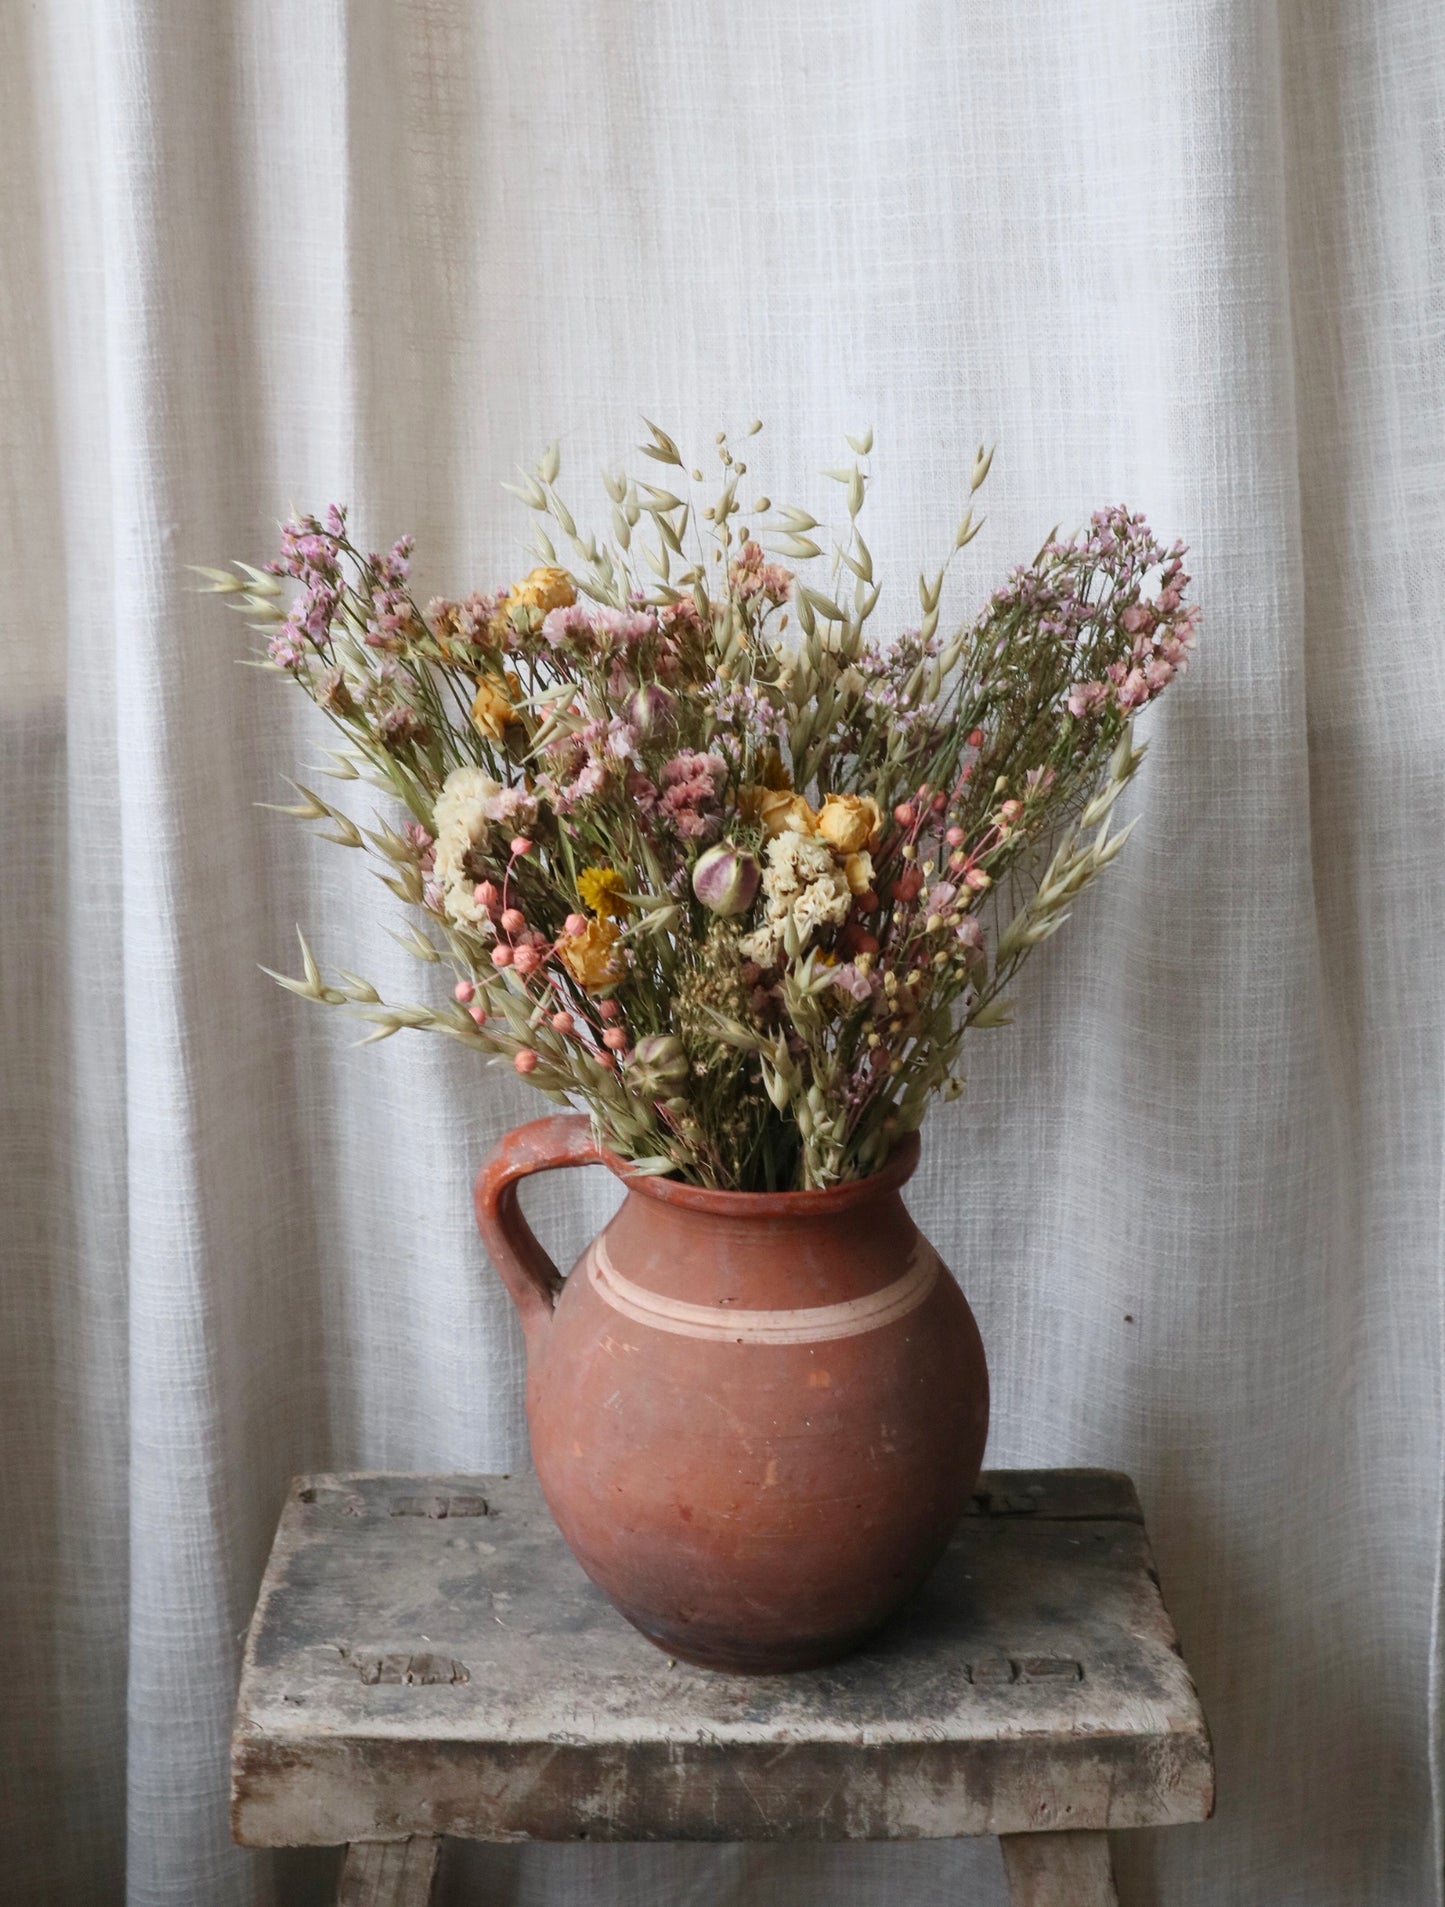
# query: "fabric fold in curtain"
{"points": [[1184, 256]]}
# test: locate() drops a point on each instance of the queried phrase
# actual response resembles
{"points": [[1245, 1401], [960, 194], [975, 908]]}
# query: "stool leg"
{"points": [[1071, 1869], [389, 1873]]}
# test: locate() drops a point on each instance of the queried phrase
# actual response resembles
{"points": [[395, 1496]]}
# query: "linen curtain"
{"points": [[1180, 253]]}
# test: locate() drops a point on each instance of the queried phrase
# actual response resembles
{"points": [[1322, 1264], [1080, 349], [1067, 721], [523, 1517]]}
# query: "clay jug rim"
{"points": [[823, 1202]]}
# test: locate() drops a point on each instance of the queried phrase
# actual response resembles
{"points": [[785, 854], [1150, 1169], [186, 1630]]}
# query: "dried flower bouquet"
{"points": [[702, 851]]}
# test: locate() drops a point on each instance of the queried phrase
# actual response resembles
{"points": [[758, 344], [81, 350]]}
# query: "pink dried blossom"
{"points": [[285, 647], [1133, 691], [848, 980], [642, 792], [692, 786], [1084, 698], [569, 628]]}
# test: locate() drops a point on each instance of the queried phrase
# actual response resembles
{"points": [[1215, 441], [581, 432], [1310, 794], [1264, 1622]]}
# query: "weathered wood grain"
{"points": [[427, 1658], [388, 1874], [1059, 1870]]}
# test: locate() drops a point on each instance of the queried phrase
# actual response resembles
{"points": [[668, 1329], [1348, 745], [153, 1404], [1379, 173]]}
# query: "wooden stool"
{"points": [[427, 1659]]}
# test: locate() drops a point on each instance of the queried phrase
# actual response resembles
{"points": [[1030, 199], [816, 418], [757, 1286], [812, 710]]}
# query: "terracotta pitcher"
{"points": [[756, 1417]]}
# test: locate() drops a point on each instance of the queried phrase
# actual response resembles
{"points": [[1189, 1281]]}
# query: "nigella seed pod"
{"points": [[726, 879], [652, 711], [660, 1062]]}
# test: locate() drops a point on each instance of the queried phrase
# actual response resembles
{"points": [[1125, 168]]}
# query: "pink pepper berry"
{"points": [[479, 1014], [520, 845], [486, 895], [975, 738], [514, 921], [605, 1061], [575, 924], [903, 814], [526, 960], [464, 991], [977, 879], [1011, 810], [954, 837], [525, 1061], [502, 956], [564, 1024], [610, 1010], [615, 1039]]}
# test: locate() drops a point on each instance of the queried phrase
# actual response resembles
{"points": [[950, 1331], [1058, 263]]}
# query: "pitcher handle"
{"points": [[531, 1278]]}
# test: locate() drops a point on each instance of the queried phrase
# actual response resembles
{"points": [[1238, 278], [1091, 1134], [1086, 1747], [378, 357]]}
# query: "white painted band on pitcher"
{"points": [[815, 1325]]}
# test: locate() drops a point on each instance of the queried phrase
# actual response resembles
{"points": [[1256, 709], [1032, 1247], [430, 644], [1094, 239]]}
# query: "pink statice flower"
{"points": [[692, 786], [569, 628], [851, 983], [513, 809], [751, 576], [625, 629], [1087, 698], [401, 726], [642, 792], [285, 648], [622, 739], [681, 618], [421, 844]]}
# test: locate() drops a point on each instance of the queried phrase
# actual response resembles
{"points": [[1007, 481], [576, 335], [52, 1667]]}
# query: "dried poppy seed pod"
{"points": [[725, 879], [652, 711]]}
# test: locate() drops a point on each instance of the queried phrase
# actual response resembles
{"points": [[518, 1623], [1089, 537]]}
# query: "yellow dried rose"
{"points": [[543, 589], [783, 812], [858, 871], [492, 709], [849, 822], [601, 891], [594, 958]]}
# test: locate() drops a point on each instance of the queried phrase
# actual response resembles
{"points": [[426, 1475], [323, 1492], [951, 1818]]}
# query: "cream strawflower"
{"points": [[460, 824], [802, 883]]}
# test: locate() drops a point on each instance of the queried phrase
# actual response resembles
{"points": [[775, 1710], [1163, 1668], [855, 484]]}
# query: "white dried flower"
{"points": [[802, 884], [461, 824]]}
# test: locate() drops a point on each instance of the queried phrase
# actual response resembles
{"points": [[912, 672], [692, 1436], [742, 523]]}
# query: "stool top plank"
{"points": [[426, 1657]]}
